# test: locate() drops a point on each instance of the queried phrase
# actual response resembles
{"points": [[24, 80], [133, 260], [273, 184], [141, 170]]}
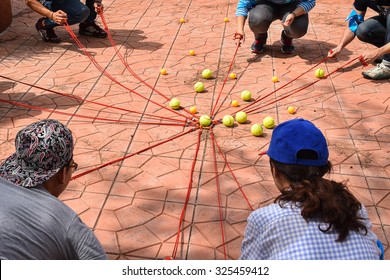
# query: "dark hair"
{"points": [[318, 198]]}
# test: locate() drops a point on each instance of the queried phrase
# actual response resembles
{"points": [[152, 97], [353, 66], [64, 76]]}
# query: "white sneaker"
{"points": [[380, 72]]}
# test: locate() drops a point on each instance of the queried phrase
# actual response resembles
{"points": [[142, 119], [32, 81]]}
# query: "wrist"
{"points": [[294, 14]]}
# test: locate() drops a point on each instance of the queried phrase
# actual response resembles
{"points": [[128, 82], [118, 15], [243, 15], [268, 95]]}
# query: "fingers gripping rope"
{"points": [[361, 59], [238, 36]]}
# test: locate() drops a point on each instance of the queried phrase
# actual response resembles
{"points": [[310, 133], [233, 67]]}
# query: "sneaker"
{"points": [[287, 44], [48, 35], [92, 29], [258, 46], [380, 72]]}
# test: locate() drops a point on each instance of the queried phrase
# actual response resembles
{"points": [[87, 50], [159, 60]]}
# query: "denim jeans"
{"points": [[77, 12], [375, 31], [264, 13]]}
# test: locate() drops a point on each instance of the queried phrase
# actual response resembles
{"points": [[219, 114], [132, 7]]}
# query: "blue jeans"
{"points": [[77, 12], [375, 31], [264, 13]]}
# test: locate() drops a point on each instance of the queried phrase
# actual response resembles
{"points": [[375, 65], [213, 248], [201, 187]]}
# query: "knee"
{"points": [[363, 33], [84, 13]]}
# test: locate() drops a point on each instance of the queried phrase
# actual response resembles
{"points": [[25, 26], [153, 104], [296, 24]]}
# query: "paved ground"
{"points": [[205, 181]]}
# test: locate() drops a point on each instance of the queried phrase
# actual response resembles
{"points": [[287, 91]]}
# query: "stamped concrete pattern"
{"points": [[170, 188]]}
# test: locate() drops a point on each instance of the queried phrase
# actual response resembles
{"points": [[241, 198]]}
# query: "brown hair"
{"points": [[318, 198]]}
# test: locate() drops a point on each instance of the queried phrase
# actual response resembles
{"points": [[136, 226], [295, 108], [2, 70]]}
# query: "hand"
{"points": [[59, 17], [98, 6], [334, 52], [289, 20], [369, 57], [239, 38]]}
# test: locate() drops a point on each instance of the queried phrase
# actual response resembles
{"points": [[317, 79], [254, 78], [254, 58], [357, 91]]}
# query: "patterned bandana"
{"points": [[42, 149]]}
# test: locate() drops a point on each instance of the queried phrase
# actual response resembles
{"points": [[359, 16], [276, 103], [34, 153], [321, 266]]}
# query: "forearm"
{"points": [[240, 24], [347, 38], [39, 8]]}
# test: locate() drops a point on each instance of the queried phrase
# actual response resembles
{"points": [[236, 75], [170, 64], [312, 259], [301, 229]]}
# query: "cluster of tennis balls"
{"points": [[241, 117]]}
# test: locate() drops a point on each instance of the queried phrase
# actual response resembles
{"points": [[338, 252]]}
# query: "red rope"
{"points": [[302, 88], [102, 70], [276, 90], [114, 45], [219, 196], [133, 154], [82, 116], [231, 171], [92, 102], [183, 212], [224, 82]]}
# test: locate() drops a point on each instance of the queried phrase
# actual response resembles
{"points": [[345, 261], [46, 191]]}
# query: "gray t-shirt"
{"points": [[36, 225]]}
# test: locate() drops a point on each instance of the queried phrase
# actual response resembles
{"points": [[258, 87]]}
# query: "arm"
{"points": [[243, 7], [347, 38], [58, 16], [354, 18], [370, 56]]}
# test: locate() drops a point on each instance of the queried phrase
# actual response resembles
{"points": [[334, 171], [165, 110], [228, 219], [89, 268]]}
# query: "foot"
{"points": [[380, 72], [92, 29], [287, 44], [47, 34], [258, 46]]}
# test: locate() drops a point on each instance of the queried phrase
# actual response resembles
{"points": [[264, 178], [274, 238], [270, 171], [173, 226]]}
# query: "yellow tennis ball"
{"points": [[191, 52], [256, 129], [228, 120], [226, 19], [268, 122], [232, 75], [163, 71], [207, 73], [235, 103], [291, 109], [199, 87], [275, 79], [205, 120], [193, 110], [182, 20], [319, 73], [241, 117], [174, 103], [246, 95]]}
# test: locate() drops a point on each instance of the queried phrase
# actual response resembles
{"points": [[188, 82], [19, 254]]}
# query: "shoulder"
{"points": [[272, 213]]}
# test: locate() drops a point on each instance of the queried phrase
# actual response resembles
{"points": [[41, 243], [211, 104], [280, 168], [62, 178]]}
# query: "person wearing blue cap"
{"points": [[313, 217]]}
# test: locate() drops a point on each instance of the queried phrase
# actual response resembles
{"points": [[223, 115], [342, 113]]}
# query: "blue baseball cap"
{"points": [[298, 142]]}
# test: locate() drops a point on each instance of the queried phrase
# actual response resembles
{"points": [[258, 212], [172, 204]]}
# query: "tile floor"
{"points": [[168, 177]]}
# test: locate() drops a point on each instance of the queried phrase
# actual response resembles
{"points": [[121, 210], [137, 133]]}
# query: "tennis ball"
{"points": [[199, 87], [174, 103], [246, 95], [241, 117], [291, 109], [256, 130], [235, 103], [268, 122], [275, 79], [228, 120], [163, 71], [207, 73], [319, 73], [226, 19], [182, 20], [193, 110], [232, 75], [205, 120], [191, 52]]}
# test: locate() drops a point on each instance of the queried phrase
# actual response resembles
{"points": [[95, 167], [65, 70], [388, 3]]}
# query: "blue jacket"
{"points": [[244, 6]]}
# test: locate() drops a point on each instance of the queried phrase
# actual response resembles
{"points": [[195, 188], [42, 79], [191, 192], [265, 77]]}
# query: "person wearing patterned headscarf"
{"points": [[34, 223]]}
